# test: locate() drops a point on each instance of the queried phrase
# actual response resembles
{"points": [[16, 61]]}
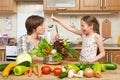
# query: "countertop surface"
{"points": [[106, 46], [107, 75], [2, 47]]}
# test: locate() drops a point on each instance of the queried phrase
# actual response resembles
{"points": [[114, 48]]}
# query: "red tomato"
{"points": [[46, 69], [57, 71]]}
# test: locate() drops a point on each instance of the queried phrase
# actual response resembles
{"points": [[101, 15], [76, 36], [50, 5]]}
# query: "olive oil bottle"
{"points": [[119, 40]]}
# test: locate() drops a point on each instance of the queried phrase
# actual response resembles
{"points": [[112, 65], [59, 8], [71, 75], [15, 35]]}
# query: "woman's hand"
{"points": [[56, 38]]}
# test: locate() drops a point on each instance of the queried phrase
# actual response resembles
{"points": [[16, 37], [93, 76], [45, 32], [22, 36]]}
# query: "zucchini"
{"points": [[63, 74], [110, 66], [2, 66], [25, 63]]}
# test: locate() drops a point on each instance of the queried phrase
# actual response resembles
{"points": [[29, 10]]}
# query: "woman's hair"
{"points": [[91, 20], [33, 22]]}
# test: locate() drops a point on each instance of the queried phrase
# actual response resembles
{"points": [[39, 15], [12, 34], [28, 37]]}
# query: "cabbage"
{"points": [[23, 57]]}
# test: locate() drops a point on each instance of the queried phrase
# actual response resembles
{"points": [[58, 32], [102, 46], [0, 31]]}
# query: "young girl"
{"points": [[91, 40]]}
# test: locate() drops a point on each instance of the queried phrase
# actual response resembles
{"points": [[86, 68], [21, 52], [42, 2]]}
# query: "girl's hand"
{"points": [[55, 19]]}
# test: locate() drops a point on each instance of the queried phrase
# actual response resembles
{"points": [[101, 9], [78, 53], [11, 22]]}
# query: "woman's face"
{"points": [[84, 27], [40, 29]]}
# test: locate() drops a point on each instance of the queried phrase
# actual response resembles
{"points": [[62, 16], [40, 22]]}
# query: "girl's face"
{"points": [[40, 29], [85, 27]]}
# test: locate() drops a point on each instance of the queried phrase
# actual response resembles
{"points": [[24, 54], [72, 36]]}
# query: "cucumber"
{"points": [[63, 74], [83, 66], [110, 66], [2, 66]]}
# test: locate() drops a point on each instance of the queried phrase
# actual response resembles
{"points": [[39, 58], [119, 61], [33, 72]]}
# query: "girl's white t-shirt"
{"points": [[89, 47]]}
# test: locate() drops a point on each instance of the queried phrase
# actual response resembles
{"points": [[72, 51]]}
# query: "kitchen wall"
{"points": [[37, 8], [114, 18], [8, 24]]}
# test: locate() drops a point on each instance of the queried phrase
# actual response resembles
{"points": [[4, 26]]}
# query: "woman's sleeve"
{"points": [[22, 45]]}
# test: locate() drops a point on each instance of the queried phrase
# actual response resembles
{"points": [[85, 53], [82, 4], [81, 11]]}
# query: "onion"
{"points": [[88, 72], [98, 74]]}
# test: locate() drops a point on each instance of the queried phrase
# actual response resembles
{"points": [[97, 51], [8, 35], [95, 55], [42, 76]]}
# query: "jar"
{"points": [[5, 39]]}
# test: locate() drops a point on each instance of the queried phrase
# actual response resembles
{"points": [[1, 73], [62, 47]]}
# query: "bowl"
{"points": [[49, 60]]}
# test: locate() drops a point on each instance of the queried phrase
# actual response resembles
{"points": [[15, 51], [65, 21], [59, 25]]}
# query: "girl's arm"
{"points": [[101, 49], [66, 26]]}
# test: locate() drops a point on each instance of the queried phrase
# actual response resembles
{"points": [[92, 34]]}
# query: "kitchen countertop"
{"points": [[2, 47], [106, 46], [107, 75]]}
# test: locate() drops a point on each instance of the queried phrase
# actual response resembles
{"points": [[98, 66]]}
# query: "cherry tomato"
{"points": [[46, 69], [57, 71]]}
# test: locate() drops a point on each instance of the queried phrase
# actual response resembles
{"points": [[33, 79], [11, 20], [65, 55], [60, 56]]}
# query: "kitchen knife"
{"points": [[56, 29]]}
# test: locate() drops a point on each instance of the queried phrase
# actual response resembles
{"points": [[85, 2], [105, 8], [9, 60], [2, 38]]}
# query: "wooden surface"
{"points": [[108, 75]]}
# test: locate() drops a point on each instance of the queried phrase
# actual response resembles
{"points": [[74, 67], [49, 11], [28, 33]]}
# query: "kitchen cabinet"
{"points": [[51, 6], [2, 55], [54, 6], [8, 6], [112, 56], [100, 5]]}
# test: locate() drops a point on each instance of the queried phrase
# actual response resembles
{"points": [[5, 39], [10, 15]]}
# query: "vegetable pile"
{"points": [[26, 67], [45, 49], [58, 50]]}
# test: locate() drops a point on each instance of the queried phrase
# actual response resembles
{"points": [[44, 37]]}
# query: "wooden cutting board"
{"points": [[106, 28]]}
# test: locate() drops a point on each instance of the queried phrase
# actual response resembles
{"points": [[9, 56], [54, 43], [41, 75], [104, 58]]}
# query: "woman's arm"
{"points": [[66, 26], [101, 49]]}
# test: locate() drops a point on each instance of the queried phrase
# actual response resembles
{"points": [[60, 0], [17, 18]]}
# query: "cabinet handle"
{"points": [[110, 57], [105, 3], [61, 9], [2, 56], [106, 57], [101, 3]]}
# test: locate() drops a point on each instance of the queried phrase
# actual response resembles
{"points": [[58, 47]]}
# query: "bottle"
{"points": [[119, 40], [5, 39], [49, 36]]}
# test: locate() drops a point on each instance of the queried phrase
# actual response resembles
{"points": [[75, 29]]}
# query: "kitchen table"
{"points": [[107, 75]]}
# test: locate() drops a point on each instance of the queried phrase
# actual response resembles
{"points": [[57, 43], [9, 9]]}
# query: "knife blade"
{"points": [[56, 29]]}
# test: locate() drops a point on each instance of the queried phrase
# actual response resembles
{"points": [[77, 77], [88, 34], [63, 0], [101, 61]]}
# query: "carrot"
{"points": [[39, 71], [35, 70], [6, 71], [26, 73], [30, 72]]}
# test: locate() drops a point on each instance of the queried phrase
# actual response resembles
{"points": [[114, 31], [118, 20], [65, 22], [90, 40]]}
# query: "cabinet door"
{"points": [[111, 5], [2, 55], [91, 5], [7, 6], [115, 56], [52, 6], [106, 58]]}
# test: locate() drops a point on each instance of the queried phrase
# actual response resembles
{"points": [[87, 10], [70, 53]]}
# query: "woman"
{"points": [[34, 26]]}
